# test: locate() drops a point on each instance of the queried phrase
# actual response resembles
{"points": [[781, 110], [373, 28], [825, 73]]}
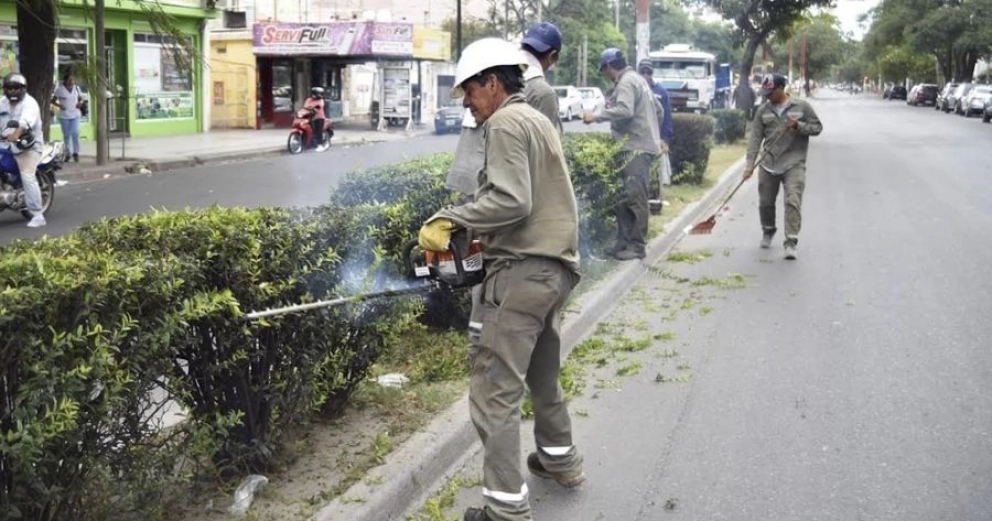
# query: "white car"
{"points": [[569, 102], [974, 102], [592, 99]]}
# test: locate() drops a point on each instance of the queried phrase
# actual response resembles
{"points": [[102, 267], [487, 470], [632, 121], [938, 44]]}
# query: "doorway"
{"points": [[115, 54]]}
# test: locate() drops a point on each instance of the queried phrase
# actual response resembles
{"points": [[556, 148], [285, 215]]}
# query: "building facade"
{"points": [[157, 86]]}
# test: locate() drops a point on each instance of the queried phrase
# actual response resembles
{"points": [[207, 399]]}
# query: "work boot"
{"points": [[612, 250], [477, 514], [628, 254], [790, 251], [766, 241], [565, 479], [75, 158]]}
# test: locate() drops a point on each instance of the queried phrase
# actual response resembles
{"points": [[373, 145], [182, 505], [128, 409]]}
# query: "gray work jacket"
{"points": [[789, 150], [633, 113]]}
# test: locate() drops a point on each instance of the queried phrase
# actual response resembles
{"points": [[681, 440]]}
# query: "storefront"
{"points": [[156, 86], [292, 58]]}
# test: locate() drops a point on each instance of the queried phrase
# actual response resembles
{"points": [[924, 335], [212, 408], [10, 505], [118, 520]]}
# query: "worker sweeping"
{"points": [[525, 214], [791, 122]]}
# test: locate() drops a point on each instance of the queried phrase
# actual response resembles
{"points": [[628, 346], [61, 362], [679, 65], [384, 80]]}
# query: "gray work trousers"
{"points": [[514, 336], [794, 181], [632, 211]]}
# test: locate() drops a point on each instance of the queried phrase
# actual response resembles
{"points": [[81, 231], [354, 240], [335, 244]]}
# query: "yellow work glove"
{"points": [[436, 234]]}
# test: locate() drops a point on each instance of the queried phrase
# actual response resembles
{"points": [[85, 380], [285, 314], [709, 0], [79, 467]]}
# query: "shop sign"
{"points": [[335, 38], [431, 44]]}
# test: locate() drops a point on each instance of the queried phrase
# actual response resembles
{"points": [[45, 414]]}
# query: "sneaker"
{"points": [[790, 252], [766, 241], [565, 479], [37, 221], [628, 254], [476, 514]]}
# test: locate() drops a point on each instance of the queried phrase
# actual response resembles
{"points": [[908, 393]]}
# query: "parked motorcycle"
{"points": [[302, 137], [11, 188]]}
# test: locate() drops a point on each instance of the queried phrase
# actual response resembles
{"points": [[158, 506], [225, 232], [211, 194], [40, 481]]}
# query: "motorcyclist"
{"points": [[316, 102], [20, 119]]}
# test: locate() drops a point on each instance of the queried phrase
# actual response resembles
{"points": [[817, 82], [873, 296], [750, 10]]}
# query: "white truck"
{"points": [[688, 74]]}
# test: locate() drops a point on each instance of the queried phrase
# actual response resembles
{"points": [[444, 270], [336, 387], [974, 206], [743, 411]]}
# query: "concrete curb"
{"points": [[412, 473]]}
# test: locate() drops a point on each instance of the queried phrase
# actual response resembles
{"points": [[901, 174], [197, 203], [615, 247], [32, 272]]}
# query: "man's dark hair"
{"points": [[538, 55], [510, 76]]}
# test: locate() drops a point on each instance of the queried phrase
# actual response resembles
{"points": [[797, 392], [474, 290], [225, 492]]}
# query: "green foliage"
{"points": [[729, 125], [594, 161], [690, 147]]}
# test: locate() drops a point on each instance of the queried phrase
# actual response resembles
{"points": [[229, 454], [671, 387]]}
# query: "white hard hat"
{"points": [[483, 54]]}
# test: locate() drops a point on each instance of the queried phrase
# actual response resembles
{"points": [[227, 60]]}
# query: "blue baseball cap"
{"points": [[609, 57], [543, 36]]}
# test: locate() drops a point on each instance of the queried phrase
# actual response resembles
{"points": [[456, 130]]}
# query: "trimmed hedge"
{"points": [[690, 147], [730, 125]]}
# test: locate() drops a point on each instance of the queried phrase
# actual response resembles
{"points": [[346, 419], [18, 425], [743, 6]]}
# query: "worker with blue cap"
{"points": [[542, 49], [633, 113]]}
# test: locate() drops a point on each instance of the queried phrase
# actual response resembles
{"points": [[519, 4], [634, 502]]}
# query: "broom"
{"points": [[706, 226]]}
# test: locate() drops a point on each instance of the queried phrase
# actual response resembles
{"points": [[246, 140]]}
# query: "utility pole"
{"points": [[100, 94], [791, 40], [458, 31], [617, 19], [642, 30], [805, 61], [539, 9]]}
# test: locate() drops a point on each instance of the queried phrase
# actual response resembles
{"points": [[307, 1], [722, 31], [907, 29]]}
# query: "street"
{"points": [[282, 180], [851, 384]]}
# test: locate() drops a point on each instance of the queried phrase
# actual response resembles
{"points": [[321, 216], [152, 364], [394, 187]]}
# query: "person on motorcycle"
{"points": [[20, 119], [316, 102]]}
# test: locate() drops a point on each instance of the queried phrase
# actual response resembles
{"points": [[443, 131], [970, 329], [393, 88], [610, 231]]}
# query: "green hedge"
{"points": [[730, 125], [690, 147]]}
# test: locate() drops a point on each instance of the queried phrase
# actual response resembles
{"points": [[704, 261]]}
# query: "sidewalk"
{"points": [[158, 154]]}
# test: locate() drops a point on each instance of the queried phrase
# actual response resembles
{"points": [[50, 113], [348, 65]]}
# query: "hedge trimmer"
{"points": [[427, 270]]}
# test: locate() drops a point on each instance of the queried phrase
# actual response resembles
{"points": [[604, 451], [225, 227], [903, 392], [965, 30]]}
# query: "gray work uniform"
{"points": [[785, 163], [538, 92], [633, 114], [526, 215]]}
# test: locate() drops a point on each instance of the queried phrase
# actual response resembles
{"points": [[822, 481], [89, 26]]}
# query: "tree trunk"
{"points": [[36, 22], [102, 140]]}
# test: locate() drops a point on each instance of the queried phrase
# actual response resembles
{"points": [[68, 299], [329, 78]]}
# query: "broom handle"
{"points": [[761, 157]]}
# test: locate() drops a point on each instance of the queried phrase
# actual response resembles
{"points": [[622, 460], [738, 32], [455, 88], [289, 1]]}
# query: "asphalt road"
{"points": [[283, 180], [852, 384]]}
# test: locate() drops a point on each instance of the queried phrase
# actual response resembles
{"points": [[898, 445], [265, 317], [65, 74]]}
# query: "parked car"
{"points": [[944, 95], [569, 102], [897, 92], [954, 100], [912, 94], [592, 99], [449, 118], [987, 110], [923, 94], [974, 102]]}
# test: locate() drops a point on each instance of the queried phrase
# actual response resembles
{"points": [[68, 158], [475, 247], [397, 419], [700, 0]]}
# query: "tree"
{"points": [[37, 22], [756, 20], [472, 30], [826, 44]]}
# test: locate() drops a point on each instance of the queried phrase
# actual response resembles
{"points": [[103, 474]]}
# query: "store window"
{"points": [[163, 82], [282, 85]]}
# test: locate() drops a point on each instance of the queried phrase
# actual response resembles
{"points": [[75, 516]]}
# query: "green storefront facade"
{"points": [[154, 93]]}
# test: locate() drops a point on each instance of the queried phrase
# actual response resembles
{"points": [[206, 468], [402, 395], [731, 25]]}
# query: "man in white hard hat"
{"points": [[526, 216]]}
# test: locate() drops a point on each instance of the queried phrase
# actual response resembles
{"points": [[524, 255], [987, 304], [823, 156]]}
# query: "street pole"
{"points": [[539, 9], [643, 30], [616, 21], [805, 61], [458, 31], [100, 94]]}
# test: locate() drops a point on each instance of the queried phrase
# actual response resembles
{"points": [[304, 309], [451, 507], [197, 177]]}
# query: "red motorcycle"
{"points": [[302, 137]]}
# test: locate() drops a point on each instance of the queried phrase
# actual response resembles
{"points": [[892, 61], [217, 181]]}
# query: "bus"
{"points": [[688, 74]]}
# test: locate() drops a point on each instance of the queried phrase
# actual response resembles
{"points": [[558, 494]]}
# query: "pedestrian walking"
{"points": [[633, 114], [526, 216], [542, 48], [67, 99], [785, 125]]}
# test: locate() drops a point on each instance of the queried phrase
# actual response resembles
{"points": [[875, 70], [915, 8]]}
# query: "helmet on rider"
{"points": [[484, 54], [317, 92], [15, 86]]}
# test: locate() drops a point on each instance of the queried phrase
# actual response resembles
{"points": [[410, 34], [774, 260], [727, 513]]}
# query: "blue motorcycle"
{"points": [[11, 189]]}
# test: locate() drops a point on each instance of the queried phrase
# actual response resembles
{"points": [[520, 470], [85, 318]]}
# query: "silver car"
{"points": [[569, 102], [974, 102]]}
